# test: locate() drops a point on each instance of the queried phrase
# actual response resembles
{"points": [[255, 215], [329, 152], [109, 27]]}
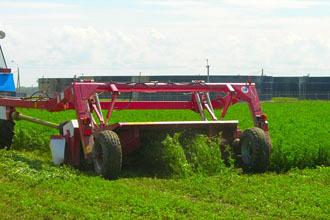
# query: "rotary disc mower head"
{"points": [[130, 132]]}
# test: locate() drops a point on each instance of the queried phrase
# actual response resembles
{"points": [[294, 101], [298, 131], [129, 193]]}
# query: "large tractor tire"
{"points": [[6, 133], [107, 154], [255, 151]]}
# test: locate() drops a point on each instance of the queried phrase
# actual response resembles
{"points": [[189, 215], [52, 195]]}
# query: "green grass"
{"points": [[32, 188]]}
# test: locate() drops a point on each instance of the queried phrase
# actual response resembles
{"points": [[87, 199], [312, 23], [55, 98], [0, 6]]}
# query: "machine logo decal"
{"points": [[245, 89]]}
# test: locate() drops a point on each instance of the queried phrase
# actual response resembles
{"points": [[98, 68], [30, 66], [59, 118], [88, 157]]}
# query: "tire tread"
{"points": [[112, 154], [261, 150], [6, 133]]}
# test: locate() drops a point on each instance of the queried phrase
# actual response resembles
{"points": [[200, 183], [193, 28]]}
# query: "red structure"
{"points": [[92, 136]]}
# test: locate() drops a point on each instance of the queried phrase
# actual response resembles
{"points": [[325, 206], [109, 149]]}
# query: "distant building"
{"points": [[53, 85]]}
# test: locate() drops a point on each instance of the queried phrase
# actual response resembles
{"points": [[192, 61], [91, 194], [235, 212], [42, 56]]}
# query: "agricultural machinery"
{"points": [[93, 139]]}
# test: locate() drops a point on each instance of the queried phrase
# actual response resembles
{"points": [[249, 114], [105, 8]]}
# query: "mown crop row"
{"points": [[300, 130]]}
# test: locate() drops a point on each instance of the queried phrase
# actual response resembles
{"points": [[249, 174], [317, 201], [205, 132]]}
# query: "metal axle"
{"points": [[18, 116]]}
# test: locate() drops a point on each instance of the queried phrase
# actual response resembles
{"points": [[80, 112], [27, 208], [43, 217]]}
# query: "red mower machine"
{"points": [[91, 138]]}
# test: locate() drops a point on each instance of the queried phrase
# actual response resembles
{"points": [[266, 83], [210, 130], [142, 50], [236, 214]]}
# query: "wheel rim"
{"points": [[247, 152], [98, 156]]}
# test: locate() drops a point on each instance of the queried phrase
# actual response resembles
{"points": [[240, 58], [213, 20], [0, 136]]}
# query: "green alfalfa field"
{"points": [[296, 186]]}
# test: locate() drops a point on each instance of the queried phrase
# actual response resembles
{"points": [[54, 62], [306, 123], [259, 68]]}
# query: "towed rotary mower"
{"points": [[93, 139], [90, 137]]}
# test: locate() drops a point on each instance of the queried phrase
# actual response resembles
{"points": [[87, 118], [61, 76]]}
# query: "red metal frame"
{"points": [[5, 70], [83, 98]]}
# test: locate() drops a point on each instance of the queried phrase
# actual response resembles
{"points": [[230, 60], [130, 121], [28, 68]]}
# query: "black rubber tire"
{"points": [[255, 151], [107, 154], [6, 133]]}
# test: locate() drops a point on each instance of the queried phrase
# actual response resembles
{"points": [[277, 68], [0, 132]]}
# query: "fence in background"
{"points": [[268, 86]]}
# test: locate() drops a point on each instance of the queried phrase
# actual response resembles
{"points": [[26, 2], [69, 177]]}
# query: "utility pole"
{"points": [[18, 81], [262, 72], [208, 70]]}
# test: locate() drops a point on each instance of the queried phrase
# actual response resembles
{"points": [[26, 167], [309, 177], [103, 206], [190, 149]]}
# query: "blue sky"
{"points": [[66, 38]]}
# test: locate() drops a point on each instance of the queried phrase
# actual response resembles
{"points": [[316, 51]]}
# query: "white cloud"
{"points": [[175, 3], [277, 4], [256, 5], [71, 50], [33, 5]]}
